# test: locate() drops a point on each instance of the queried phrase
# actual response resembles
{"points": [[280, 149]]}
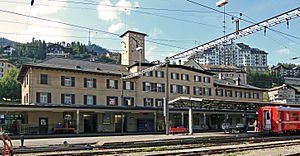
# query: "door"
{"points": [[43, 125], [267, 120], [118, 123], [279, 122]]}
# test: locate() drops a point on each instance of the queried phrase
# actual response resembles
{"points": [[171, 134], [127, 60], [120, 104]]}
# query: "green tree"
{"points": [[10, 88]]}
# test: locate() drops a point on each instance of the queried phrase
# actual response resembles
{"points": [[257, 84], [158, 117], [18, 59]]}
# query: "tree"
{"points": [[10, 88]]}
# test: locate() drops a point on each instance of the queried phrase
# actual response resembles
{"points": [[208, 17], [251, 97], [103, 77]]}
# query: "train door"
{"points": [[279, 121], [267, 119]]}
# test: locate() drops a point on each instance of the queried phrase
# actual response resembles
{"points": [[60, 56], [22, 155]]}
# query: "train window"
{"points": [[295, 116], [268, 115], [287, 116], [279, 116]]}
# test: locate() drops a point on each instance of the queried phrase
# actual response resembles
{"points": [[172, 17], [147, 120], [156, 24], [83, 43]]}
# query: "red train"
{"points": [[278, 119]]}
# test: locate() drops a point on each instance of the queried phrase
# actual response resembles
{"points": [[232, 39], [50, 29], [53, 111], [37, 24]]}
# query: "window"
{"points": [[149, 74], [197, 91], [113, 84], [67, 98], [197, 78], [287, 116], [68, 81], [206, 79], [175, 76], [159, 102], [44, 79], [148, 102], [112, 101], [41, 97], [207, 91], [160, 87], [127, 85], [106, 119], [90, 83], [90, 99], [256, 95], [295, 116], [128, 101], [185, 77], [175, 88], [160, 74], [247, 95], [186, 89], [238, 94], [148, 87], [219, 92], [228, 93]]}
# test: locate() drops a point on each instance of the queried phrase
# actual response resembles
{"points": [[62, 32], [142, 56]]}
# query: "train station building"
{"points": [[78, 96]]}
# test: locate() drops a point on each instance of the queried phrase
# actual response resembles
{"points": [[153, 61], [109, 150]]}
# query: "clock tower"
{"points": [[133, 47]]}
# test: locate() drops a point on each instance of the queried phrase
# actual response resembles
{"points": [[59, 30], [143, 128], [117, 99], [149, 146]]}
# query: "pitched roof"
{"points": [[76, 65], [231, 83]]}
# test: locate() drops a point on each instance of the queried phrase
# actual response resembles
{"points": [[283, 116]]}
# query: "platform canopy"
{"points": [[221, 104]]}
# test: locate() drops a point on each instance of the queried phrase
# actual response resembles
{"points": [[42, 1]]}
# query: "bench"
{"points": [[64, 130], [178, 130]]}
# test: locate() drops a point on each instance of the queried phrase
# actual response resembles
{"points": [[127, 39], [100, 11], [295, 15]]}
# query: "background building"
{"points": [[238, 54], [4, 66]]}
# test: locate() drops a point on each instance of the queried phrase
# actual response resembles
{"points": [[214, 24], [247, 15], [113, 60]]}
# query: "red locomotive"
{"points": [[278, 119]]}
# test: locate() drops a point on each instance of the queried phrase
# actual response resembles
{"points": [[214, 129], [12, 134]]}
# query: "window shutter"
{"points": [[151, 73], [144, 86], [187, 77], [117, 101], [94, 100], [95, 83], [73, 81], [84, 99], [37, 97], [62, 81], [172, 76], [131, 85], [194, 77], [208, 79], [163, 87], [116, 84], [188, 89], [162, 74], [49, 97], [156, 73], [124, 85], [145, 102], [180, 89], [194, 90], [73, 98], [151, 102], [85, 83], [177, 76], [171, 88], [181, 76], [107, 83], [155, 87], [62, 98]]}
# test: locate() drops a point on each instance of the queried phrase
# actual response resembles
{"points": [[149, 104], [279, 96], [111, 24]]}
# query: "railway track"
{"points": [[171, 149]]}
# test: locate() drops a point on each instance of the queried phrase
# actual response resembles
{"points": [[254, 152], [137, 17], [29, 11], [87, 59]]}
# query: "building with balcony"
{"points": [[4, 66], [284, 94]]}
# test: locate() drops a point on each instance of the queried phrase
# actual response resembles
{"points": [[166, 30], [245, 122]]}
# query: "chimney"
{"points": [[220, 76]]}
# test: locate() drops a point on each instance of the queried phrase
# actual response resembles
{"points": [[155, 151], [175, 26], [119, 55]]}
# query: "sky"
{"points": [[172, 26]]}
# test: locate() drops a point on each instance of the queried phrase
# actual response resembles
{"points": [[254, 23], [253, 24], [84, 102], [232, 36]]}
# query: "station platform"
{"points": [[100, 140]]}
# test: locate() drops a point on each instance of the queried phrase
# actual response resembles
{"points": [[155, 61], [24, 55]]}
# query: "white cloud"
{"points": [[156, 32], [116, 27], [109, 12], [284, 51]]}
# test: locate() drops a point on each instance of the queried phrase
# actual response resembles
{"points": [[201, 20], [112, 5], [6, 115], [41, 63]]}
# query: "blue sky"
{"points": [[164, 21]]}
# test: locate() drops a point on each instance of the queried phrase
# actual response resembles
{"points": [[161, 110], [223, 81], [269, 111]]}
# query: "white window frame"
{"points": [[197, 78], [159, 87], [127, 85], [175, 89], [129, 101], [89, 83], [160, 103], [68, 81], [90, 100], [112, 101], [43, 97], [184, 77], [198, 91], [68, 99], [148, 87], [185, 89], [148, 102], [112, 84], [159, 74]]}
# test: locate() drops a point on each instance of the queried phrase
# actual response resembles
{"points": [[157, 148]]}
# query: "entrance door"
{"points": [[267, 119], [43, 125], [90, 123], [118, 123]]}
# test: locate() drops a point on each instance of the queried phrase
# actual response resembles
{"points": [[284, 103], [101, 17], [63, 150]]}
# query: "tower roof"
{"points": [[129, 31]]}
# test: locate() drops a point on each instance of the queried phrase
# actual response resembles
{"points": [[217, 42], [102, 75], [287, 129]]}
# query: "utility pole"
{"points": [[166, 104]]}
